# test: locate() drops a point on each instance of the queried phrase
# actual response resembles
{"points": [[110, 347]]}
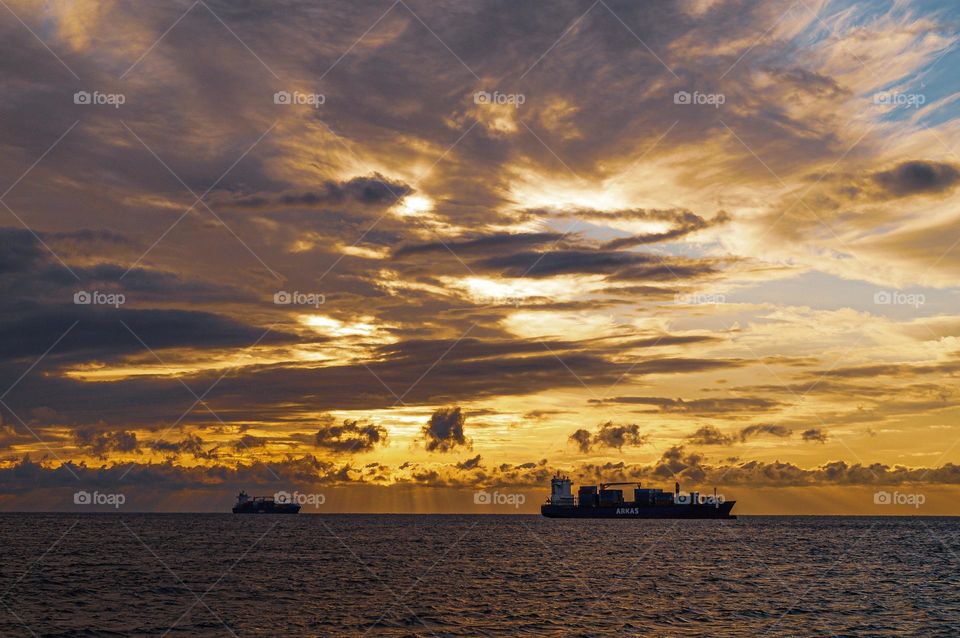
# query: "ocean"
{"points": [[397, 575]]}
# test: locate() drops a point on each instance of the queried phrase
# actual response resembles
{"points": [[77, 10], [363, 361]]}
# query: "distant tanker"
{"points": [[247, 504], [592, 502]]}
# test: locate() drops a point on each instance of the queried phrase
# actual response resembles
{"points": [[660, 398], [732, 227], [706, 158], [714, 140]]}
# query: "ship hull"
{"points": [[649, 512], [282, 508]]}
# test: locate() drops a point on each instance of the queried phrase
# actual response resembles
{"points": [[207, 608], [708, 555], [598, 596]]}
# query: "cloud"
{"points": [[683, 223], [582, 439], [917, 177], [192, 445], [815, 434], [250, 441], [350, 437], [609, 435], [709, 435], [756, 430], [705, 407], [373, 189], [101, 444], [481, 244], [676, 462], [621, 265], [539, 415], [444, 431], [469, 464]]}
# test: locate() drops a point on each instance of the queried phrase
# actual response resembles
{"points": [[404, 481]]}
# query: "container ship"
{"points": [[262, 505], [594, 501]]}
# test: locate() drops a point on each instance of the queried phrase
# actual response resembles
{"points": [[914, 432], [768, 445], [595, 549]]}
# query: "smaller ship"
{"points": [[247, 504], [591, 502]]}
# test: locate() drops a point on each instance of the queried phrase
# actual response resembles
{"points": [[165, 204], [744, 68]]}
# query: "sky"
{"points": [[401, 254]]}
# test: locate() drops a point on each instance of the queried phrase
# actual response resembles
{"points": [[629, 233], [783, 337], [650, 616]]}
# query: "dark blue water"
{"points": [[225, 575]]}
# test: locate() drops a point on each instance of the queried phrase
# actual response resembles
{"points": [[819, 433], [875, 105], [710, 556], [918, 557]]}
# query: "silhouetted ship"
{"points": [[262, 505], [592, 502]]}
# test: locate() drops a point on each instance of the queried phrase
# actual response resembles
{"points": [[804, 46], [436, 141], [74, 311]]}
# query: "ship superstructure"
{"points": [[599, 501], [247, 504]]}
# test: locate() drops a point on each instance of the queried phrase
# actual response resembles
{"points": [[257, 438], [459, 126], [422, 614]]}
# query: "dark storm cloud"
{"points": [[757, 430], [444, 431], [815, 434], [709, 435], [918, 177], [30, 269], [99, 333], [458, 371], [609, 435], [614, 264], [101, 444], [809, 82], [582, 439], [45, 292], [684, 223], [906, 179], [373, 189], [192, 445], [268, 392], [676, 462], [351, 436]]}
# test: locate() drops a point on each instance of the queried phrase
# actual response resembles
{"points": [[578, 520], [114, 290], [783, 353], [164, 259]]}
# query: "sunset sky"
{"points": [[397, 252]]}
